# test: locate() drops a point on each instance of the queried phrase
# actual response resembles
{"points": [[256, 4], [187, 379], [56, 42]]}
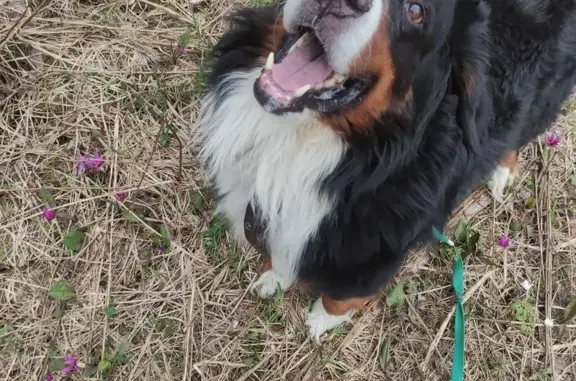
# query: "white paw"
{"points": [[267, 284], [320, 321], [501, 177]]}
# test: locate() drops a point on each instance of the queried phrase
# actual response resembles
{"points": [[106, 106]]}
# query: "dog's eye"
{"points": [[415, 12]]}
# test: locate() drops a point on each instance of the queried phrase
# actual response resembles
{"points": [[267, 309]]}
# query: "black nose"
{"points": [[359, 6]]}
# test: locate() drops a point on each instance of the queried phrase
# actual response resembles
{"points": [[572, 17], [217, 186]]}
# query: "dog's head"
{"points": [[350, 58]]}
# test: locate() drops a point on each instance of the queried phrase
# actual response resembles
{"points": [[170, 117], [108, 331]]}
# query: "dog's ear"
{"points": [[253, 33], [470, 51], [248, 29]]}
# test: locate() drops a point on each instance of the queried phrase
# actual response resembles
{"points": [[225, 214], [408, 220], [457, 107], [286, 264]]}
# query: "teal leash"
{"points": [[441, 237], [460, 321]]}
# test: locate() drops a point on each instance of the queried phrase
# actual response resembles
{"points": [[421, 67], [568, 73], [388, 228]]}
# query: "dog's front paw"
{"points": [[501, 178], [268, 283], [319, 321]]}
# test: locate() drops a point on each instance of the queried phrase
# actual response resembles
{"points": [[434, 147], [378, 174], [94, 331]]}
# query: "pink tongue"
{"points": [[305, 65]]}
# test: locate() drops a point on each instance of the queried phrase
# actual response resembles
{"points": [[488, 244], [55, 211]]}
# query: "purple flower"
{"points": [[82, 166], [504, 241], [71, 363], [87, 162], [553, 139], [120, 196], [182, 48], [48, 213], [51, 377], [96, 161]]}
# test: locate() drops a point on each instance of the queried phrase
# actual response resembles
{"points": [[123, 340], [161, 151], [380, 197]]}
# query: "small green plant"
{"points": [[524, 313], [46, 196], [212, 238], [165, 326], [104, 367], [111, 359], [569, 311], [233, 256], [335, 368], [200, 80], [275, 310], [542, 375], [385, 354], [183, 41], [73, 242], [516, 226], [466, 242], [530, 203], [273, 316], [553, 213], [412, 287], [261, 3], [6, 331], [498, 368], [120, 355], [452, 253], [341, 330], [280, 293], [166, 135], [110, 309], [62, 290], [55, 365], [131, 216], [198, 202], [396, 297], [309, 304], [250, 361], [252, 343], [467, 239], [166, 243], [201, 43]]}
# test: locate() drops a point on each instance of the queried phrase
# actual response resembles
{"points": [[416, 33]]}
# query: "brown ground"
{"points": [[88, 75]]}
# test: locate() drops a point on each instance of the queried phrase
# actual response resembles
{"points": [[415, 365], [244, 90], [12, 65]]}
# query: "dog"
{"points": [[337, 134]]}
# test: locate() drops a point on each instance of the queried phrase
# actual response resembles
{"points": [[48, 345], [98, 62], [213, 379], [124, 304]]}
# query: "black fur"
{"points": [[487, 77]]}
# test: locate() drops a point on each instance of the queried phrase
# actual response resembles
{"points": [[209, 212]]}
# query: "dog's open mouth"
{"points": [[299, 76]]}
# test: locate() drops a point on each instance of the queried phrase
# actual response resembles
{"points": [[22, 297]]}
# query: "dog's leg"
{"points": [[503, 175], [269, 281], [328, 313]]}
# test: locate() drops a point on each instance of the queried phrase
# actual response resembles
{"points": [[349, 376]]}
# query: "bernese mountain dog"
{"points": [[337, 133]]}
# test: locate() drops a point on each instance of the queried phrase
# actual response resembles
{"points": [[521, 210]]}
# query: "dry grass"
{"points": [[83, 76]]}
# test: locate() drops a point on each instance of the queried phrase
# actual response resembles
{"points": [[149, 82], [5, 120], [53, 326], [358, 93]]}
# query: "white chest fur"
{"points": [[279, 162]]}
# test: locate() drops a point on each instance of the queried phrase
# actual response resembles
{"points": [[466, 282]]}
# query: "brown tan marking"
{"points": [[341, 307], [510, 161], [274, 39], [266, 265], [375, 58], [467, 82]]}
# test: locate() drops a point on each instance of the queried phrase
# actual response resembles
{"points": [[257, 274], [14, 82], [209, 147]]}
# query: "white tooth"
{"points": [[339, 78], [298, 43], [330, 82], [301, 91], [301, 40], [270, 61]]}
